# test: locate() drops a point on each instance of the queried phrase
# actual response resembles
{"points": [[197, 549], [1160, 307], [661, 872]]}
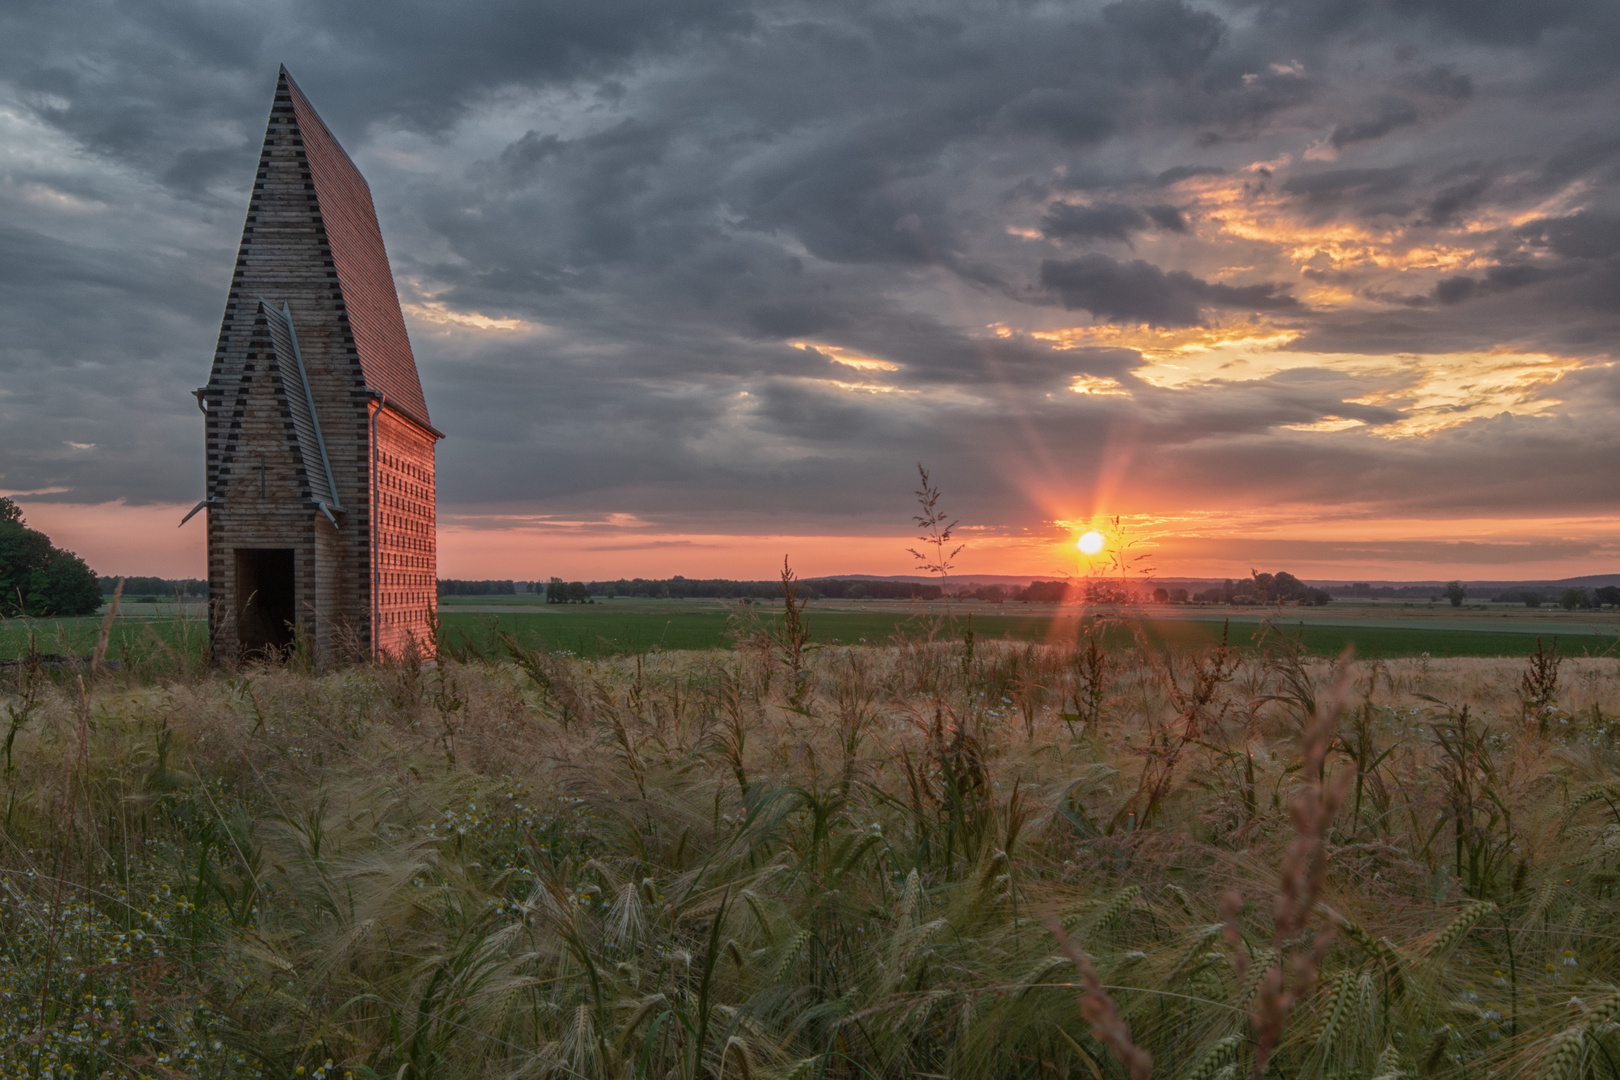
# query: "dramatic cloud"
{"points": [[1139, 292], [1109, 221], [699, 268]]}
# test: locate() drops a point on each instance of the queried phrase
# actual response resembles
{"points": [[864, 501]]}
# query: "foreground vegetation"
{"points": [[908, 860]]}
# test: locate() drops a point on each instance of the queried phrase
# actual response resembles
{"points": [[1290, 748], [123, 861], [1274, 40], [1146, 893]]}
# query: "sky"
{"points": [[1327, 286]]}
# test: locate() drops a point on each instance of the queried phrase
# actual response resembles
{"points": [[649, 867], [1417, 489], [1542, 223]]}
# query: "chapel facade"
{"points": [[320, 453]]}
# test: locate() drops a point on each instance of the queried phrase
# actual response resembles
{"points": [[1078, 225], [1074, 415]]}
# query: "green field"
{"points": [[611, 627], [139, 632], [632, 626]]}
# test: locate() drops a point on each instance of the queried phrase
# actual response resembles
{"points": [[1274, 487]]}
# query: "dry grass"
{"points": [[707, 864]]}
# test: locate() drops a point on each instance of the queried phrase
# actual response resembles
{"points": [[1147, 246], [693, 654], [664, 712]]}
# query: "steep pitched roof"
{"points": [[361, 262]]}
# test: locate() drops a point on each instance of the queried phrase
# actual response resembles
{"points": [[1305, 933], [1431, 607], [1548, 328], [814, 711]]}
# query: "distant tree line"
{"points": [[1360, 590], [1090, 590], [1279, 588], [557, 591], [1052, 592], [1259, 589], [682, 588], [833, 589], [1568, 599], [36, 577], [454, 587], [1456, 592], [1036, 592], [155, 587]]}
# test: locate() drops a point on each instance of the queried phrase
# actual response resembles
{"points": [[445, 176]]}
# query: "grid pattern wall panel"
{"points": [[406, 548]]}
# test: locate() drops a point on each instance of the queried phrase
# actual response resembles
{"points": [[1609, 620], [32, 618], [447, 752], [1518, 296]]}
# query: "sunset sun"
{"points": [[1091, 542]]}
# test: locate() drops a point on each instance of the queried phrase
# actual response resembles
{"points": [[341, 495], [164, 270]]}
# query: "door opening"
{"points": [[266, 610]]}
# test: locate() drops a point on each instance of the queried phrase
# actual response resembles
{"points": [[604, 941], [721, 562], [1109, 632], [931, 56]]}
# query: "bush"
{"points": [[1279, 588], [1047, 592], [572, 592], [1575, 598]]}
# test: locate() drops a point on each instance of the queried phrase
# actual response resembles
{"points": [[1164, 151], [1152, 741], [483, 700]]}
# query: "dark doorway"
{"points": [[265, 607]]}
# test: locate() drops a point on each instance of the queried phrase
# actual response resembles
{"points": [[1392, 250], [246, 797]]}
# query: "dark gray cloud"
{"points": [[1178, 173], [1139, 292], [1365, 191], [1440, 81], [1394, 114], [767, 254], [1454, 199], [1587, 235], [1109, 221]]}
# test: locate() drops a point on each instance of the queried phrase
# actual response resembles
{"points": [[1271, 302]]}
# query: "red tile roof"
{"points": [[361, 262]]}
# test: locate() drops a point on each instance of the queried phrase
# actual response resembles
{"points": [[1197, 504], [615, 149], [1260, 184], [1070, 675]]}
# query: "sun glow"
{"points": [[434, 311], [1167, 345], [1431, 391], [847, 358], [1091, 543], [1098, 386]]}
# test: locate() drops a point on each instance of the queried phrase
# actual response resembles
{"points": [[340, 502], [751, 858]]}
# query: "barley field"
{"points": [[935, 858]]}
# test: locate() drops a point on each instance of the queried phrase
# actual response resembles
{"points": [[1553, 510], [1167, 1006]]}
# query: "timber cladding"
{"points": [[320, 452]]}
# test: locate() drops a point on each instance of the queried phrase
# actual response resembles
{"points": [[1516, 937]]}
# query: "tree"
{"points": [[1572, 599], [1608, 595], [1456, 592], [1047, 592], [38, 579]]}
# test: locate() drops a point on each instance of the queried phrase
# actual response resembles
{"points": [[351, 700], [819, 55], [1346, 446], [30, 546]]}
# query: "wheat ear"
{"points": [[1457, 927], [1263, 962], [1217, 1057], [1563, 1054], [1388, 1065]]}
